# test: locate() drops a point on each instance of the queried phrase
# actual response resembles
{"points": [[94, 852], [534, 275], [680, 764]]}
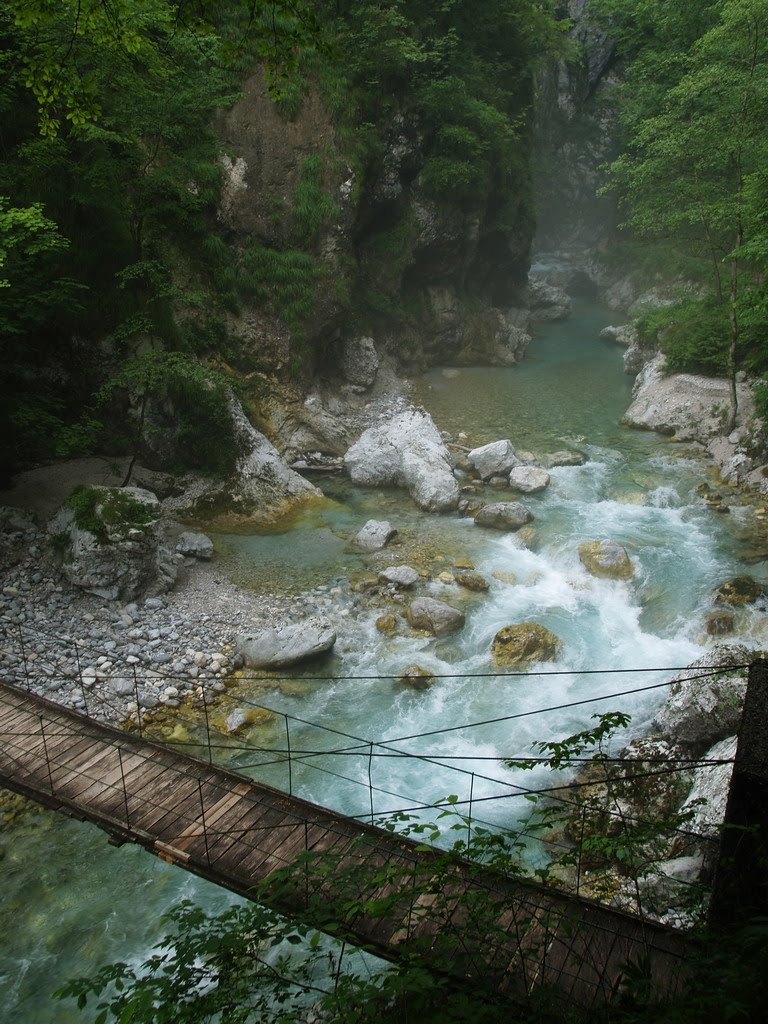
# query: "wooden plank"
{"points": [[249, 814], [207, 821], [84, 779], [258, 858], [178, 809], [112, 799]]}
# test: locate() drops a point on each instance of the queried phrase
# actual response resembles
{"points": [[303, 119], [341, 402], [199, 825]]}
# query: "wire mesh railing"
{"points": [[478, 800]]}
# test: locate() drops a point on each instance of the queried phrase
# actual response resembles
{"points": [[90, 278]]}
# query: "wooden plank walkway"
{"points": [[500, 932]]}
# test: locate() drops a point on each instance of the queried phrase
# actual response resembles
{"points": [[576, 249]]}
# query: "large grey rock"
{"points": [[262, 475], [434, 616], [122, 555], [359, 361], [432, 487], [374, 535], [548, 301], [400, 575], [626, 334], [494, 459], [711, 784], [288, 644], [703, 708], [528, 479], [504, 515], [195, 545], [690, 407], [407, 451], [262, 485], [638, 351]]}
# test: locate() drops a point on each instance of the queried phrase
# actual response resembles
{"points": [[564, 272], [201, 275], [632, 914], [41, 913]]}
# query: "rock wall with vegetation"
{"points": [[250, 190]]}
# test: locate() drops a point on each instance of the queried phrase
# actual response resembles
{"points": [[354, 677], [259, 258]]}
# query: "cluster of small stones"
{"points": [[119, 661]]}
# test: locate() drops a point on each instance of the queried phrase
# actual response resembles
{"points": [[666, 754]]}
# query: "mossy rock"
{"points": [[720, 623], [113, 513], [740, 590], [472, 581], [510, 578], [366, 585], [386, 624], [524, 644], [417, 678], [240, 720], [606, 559]]}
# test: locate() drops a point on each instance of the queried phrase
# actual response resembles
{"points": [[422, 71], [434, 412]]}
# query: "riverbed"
{"points": [[69, 901]]}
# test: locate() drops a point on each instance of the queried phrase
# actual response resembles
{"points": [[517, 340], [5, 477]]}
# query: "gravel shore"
{"points": [[108, 657]]}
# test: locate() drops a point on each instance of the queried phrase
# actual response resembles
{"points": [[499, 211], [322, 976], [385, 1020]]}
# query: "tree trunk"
{"points": [[733, 337], [137, 442]]}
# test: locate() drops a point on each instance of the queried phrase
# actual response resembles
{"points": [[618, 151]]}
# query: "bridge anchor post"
{"points": [[740, 889]]}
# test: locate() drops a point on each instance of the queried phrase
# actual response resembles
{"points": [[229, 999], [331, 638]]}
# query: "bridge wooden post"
{"points": [[45, 751], [290, 757], [740, 889], [80, 676], [25, 663]]}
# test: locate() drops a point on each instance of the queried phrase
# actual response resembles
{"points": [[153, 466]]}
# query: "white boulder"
{"points": [[503, 515], [495, 459], [528, 479], [688, 406], [287, 644], [400, 575], [374, 535], [406, 452], [703, 708], [710, 785], [195, 545], [113, 543]]}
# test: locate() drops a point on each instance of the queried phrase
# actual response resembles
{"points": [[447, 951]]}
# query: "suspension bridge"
{"points": [[383, 891]]}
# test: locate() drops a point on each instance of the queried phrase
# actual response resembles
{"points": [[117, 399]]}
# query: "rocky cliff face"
{"points": [[429, 281], [576, 134]]}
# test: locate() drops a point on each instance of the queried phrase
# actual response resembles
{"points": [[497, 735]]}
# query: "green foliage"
{"points": [[694, 109], [123, 176], [313, 207], [55, 45], [250, 966], [693, 335], [25, 233], [109, 514], [465, 73], [285, 279], [200, 398]]}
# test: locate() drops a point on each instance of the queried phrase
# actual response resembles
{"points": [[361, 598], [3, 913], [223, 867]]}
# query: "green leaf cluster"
{"points": [[285, 279], [313, 207], [108, 514], [694, 109]]}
